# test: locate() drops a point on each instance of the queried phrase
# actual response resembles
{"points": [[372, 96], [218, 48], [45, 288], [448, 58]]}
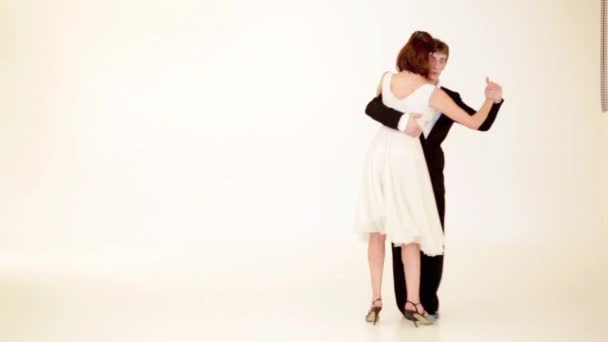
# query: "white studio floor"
{"points": [[303, 291]]}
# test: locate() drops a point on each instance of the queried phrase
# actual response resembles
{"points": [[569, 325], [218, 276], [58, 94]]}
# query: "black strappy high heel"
{"points": [[374, 312], [417, 316]]}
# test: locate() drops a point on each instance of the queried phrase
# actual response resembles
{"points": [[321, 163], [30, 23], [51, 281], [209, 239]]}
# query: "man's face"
{"points": [[438, 62]]}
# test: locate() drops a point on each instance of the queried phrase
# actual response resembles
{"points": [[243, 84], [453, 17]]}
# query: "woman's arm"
{"points": [[487, 124], [443, 103]]}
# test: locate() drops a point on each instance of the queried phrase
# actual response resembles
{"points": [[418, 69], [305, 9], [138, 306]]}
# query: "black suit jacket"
{"points": [[432, 144]]}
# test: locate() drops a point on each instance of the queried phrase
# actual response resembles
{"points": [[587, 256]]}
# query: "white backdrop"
{"points": [[126, 122]]}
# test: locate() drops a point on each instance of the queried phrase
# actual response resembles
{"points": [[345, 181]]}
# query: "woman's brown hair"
{"points": [[414, 56]]}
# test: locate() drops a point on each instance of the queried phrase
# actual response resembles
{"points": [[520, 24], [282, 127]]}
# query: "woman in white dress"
{"points": [[396, 199]]}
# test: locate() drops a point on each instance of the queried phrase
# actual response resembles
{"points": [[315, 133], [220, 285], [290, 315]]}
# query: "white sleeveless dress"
{"points": [[396, 196]]}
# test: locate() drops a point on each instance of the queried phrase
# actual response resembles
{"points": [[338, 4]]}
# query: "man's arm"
{"points": [[387, 116], [392, 118]]}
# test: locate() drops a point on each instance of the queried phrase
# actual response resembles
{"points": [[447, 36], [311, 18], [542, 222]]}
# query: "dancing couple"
{"points": [[402, 196]]}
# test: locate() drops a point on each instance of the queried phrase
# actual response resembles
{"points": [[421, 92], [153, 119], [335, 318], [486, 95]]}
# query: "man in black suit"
{"points": [[431, 267]]}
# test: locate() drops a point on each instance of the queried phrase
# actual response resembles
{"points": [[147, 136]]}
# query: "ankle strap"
{"points": [[416, 306]]}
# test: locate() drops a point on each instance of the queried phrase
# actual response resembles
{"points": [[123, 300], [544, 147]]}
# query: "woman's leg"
{"points": [[375, 252]]}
